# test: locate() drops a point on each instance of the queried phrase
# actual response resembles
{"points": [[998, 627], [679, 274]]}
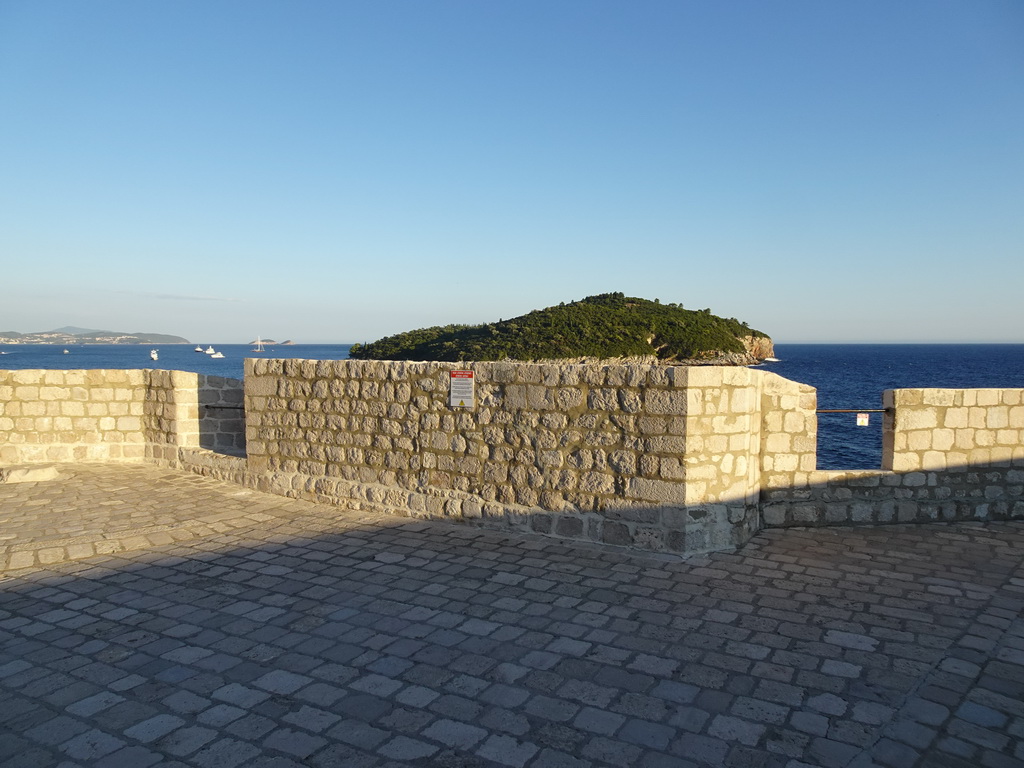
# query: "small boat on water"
{"points": [[216, 355], [259, 345], [199, 347], [210, 350], [154, 354], [66, 352]]}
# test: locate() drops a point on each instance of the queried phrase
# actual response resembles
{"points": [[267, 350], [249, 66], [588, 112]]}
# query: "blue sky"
{"points": [[338, 171]]}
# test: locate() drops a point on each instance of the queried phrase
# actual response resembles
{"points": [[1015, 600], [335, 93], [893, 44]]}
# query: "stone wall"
{"points": [[191, 414], [643, 455], [662, 458], [64, 416], [116, 415], [947, 455], [940, 429]]}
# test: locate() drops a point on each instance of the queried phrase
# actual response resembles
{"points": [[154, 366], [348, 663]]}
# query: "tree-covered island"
{"points": [[607, 326]]}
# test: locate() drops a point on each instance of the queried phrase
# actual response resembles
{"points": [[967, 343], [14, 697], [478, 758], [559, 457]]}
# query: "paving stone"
{"points": [[404, 748], [91, 745], [225, 753], [281, 681], [358, 734], [137, 757], [154, 728], [454, 733], [736, 729], [185, 741], [552, 758], [288, 640], [506, 750], [549, 708], [599, 721], [647, 734], [297, 743], [56, 730]]}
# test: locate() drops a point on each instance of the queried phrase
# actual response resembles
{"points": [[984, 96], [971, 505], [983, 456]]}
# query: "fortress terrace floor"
{"points": [[152, 617]]}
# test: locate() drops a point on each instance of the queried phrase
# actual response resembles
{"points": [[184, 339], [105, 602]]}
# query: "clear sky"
{"points": [[335, 171]]}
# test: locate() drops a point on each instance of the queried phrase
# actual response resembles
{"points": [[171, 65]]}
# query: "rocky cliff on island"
{"points": [[609, 326]]}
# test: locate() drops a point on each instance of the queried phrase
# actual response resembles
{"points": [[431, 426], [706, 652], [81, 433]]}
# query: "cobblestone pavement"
{"points": [[214, 626]]}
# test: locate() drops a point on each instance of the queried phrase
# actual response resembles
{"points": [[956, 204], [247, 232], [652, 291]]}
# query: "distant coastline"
{"points": [[68, 336]]}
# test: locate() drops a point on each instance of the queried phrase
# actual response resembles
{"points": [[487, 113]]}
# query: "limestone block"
{"points": [[787, 462], [919, 440], [666, 402], [918, 418], [27, 394], [33, 408], [694, 401], [674, 469], [742, 400], [986, 397], [649, 489], [933, 460], [778, 443], [539, 397], [795, 422], [652, 425], [706, 376], [26, 377], [942, 439], [1008, 437], [54, 393], [998, 417], [942, 397], [716, 443]]}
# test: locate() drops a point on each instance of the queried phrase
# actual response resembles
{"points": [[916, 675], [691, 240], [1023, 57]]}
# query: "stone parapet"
{"points": [[67, 416], [948, 454], [677, 459], [640, 455], [941, 429]]}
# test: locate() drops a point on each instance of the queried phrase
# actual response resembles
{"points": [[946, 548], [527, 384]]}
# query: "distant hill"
{"points": [[607, 326], [74, 335], [74, 330]]}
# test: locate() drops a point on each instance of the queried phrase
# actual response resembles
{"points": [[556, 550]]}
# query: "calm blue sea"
{"points": [[845, 375], [175, 357]]}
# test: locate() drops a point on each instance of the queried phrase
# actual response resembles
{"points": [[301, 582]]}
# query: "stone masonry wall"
{"points": [[947, 455], [662, 458], [943, 429], [65, 416], [648, 456], [190, 415], [222, 415], [116, 415]]}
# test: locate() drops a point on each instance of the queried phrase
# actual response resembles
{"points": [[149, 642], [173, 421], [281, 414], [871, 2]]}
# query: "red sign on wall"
{"points": [[462, 392]]}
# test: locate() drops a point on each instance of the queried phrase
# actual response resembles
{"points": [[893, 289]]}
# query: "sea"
{"points": [[847, 376]]}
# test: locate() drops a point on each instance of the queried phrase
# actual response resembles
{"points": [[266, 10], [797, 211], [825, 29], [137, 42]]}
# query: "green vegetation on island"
{"points": [[610, 325]]}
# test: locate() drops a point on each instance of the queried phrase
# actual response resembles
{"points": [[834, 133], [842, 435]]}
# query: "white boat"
{"points": [[217, 355], [66, 352], [259, 345], [210, 350], [153, 355], [199, 348]]}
